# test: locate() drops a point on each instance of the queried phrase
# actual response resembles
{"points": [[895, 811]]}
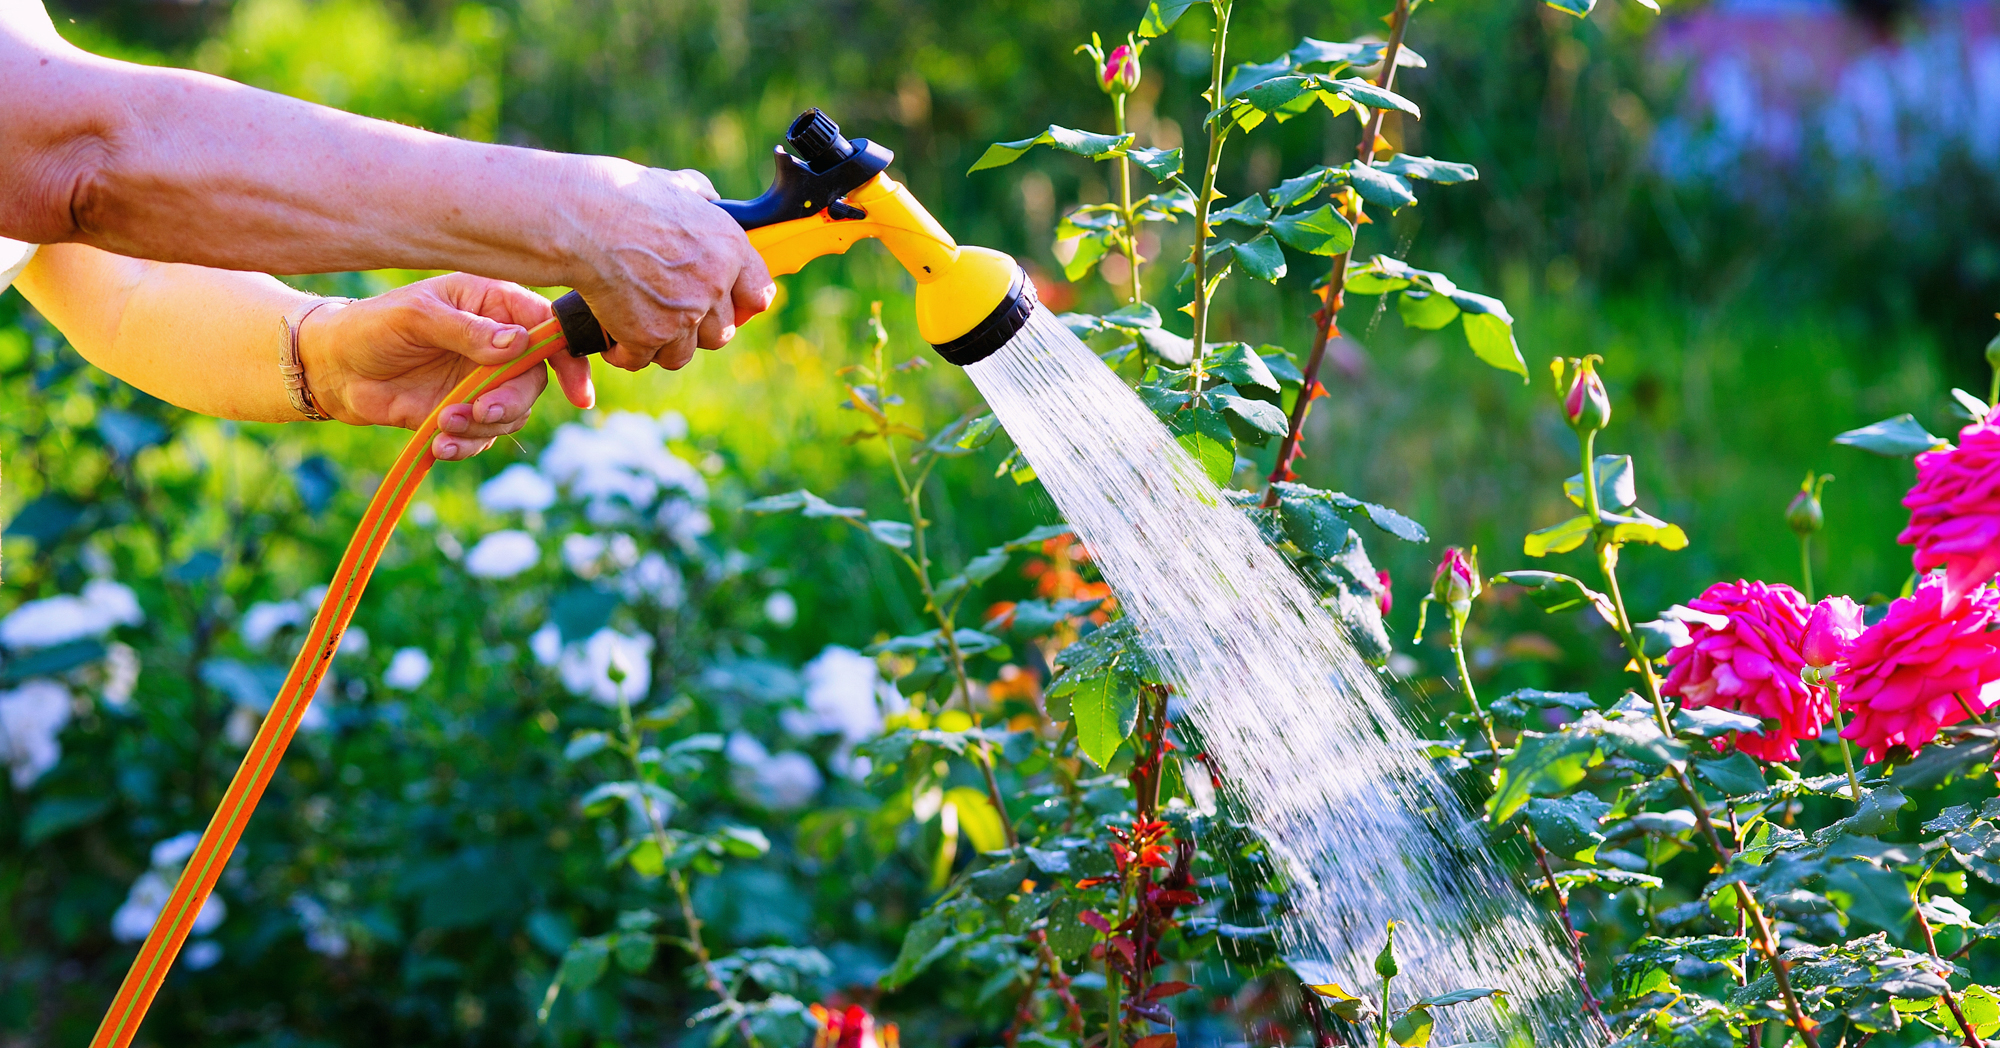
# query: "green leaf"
{"points": [[1650, 964], [979, 433], [56, 815], [1033, 540], [1134, 318], [1442, 172], [1568, 826], [1378, 187], [1553, 592], [1460, 997], [1939, 764], [1898, 437], [743, 842], [1082, 143], [1637, 525], [928, 939], [1876, 897], [1540, 764], [585, 743], [1235, 364], [1385, 962], [1492, 338], [978, 820], [1617, 484], [892, 533], [584, 963], [1579, 8], [1251, 421], [1425, 310], [635, 952], [1714, 722], [1162, 14], [1105, 709], [1262, 258], [970, 642], [1169, 347], [1558, 538], [1249, 211], [811, 504], [1321, 232], [1736, 775], [1090, 249], [1301, 188], [1412, 1029], [1162, 164], [1362, 92]]}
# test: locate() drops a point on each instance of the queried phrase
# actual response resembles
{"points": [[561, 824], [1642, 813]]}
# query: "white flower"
{"points": [[586, 668], [503, 555], [519, 486], [32, 717], [622, 466], [200, 955], [580, 553], [323, 934], [782, 609], [781, 782], [845, 695], [655, 580], [265, 618], [121, 673], [150, 892], [546, 644], [102, 606], [353, 642], [408, 669]]}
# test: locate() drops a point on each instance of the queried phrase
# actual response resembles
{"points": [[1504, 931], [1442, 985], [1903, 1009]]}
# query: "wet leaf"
{"points": [[1235, 364], [1104, 708], [1568, 826], [1262, 258]]}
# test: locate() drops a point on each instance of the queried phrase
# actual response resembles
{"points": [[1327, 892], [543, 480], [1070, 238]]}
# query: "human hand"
{"points": [[388, 360], [664, 269]]}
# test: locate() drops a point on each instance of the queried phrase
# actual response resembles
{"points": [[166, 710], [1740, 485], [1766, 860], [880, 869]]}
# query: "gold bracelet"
{"points": [[290, 365]]}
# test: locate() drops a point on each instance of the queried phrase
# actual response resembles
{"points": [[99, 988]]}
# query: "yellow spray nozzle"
{"points": [[835, 193]]}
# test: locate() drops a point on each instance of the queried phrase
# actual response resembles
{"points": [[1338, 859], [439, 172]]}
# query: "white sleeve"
{"points": [[14, 257]]}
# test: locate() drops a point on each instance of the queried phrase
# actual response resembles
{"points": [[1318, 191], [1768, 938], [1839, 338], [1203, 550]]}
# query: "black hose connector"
{"points": [[999, 327]]}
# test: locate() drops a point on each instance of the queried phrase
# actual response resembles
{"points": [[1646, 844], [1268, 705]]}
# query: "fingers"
{"points": [[694, 182], [500, 300], [447, 448], [714, 332], [433, 321], [497, 412], [754, 290], [573, 375]]}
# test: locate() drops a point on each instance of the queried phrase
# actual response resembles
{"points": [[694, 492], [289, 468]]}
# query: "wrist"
{"points": [[321, 379]]}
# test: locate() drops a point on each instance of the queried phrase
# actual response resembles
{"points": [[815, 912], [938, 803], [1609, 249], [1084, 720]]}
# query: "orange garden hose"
{"points": [[336, 609]]}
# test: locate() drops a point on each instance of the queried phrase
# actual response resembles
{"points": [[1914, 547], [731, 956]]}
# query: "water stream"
{"points": [[1307, 738]]}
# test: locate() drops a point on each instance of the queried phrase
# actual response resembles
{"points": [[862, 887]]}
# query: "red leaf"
{"points": [[1092, 882], [1174, 898], [1124, 947], [1158, 1040], [1095, 920], [1167, 989]]}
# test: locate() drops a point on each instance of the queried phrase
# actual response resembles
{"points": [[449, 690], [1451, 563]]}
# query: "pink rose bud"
{"points": [[1384, 599], [1587, 405], [1456, 583], [1830, 628], [1121, 71]]}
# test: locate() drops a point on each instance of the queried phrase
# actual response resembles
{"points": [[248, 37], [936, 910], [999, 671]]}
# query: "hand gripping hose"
{"points": [[832, 194], [198, 879]]}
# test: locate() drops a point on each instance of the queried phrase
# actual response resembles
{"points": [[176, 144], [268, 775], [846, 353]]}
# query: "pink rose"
{"points": [[1955, 512], [1752, 666], [1121, 71], [1920, 668], [1456, 583], [1832, 626]]}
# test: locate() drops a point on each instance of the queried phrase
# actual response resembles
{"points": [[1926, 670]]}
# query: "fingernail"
{"points": [[448, 450], [493, 412], [505, 337]]}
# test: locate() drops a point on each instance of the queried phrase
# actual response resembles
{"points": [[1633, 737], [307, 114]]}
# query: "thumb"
{"points": [[479, 339], [573, 374]]}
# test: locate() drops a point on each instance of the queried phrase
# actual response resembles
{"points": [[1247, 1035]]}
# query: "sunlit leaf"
{"points": [[1321, 232], [1558, 538], [1082, 143], [1901, 436]]}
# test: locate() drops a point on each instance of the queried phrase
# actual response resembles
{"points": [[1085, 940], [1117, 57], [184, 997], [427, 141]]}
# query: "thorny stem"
{"points": [[1218, 130], [657, 828], [1607, 563], [1465, 683], [1130, 223], [1058, 981], [1324, 321], [919, 563], [1569, 927], [1930, 943], [1846, 753]]}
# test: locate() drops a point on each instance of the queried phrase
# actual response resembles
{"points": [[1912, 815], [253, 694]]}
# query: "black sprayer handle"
{"points": [[825, 168]]}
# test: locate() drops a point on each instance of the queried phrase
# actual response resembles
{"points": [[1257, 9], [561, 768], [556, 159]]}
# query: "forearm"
{"points": [[201, 339], [179, 166]]}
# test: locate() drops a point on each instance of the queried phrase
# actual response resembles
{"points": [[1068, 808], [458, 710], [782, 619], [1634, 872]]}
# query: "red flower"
{"points": [[1832, 626], [1121, 70], [1752, 665], [1955, 512], [1920, 668]]}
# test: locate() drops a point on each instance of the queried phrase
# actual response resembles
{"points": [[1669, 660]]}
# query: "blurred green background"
{"points": [[1741, 330]]}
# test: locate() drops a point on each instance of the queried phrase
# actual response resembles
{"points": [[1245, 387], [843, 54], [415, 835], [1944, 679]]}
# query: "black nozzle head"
{"points": [[816, 139], [999, 327]]}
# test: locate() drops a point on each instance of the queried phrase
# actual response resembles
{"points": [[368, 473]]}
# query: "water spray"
{"points": [[829, 193]]}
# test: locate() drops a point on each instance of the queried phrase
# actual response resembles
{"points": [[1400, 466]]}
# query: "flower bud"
{"points": [[1456, 583], [1587, 405], [1804, 515], [1830, 628], [1120, 75], [1993, 353]]}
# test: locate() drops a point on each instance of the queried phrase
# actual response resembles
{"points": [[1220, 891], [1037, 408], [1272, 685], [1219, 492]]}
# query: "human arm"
{"points": [[208, 340], [179, 166]]}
